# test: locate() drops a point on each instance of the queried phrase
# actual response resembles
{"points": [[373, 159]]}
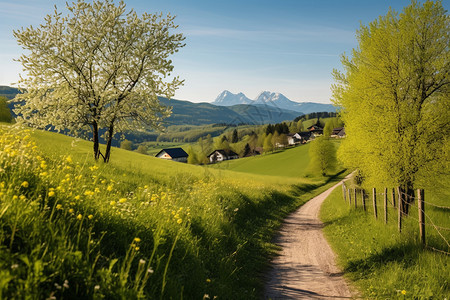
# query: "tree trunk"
{"points": [[408, 197], [96, 141], [109, 141]]}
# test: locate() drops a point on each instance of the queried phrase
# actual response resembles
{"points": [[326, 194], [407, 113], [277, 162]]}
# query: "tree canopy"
{"points": [[322, 154], [101, 67], [394, 97]]}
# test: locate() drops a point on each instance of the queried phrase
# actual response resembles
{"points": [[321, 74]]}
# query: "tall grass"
{"points": [[139, 227], [383, 263]]}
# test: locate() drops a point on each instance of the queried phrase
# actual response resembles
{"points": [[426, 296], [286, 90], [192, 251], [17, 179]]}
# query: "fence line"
{"points": [[402, 206]]}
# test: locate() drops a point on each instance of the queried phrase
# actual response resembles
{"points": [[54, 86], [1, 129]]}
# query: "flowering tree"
{"points": [[98, 68]]}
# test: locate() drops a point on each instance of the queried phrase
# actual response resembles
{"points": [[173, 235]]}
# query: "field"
{"points": [[383, 263], [291, 163], [138, 227]]}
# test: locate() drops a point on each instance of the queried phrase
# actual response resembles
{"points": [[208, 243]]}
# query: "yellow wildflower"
{"points": [[208, 280], [77, 197], [179, 221], [80, 216], [90, 217], [59, 206], [136, 248], [25, 184], [137, 240], [22, 197], [71, 211], [109, 188], [112, 203], [403, 292], [15, 197], [122, 200], [51, 193], [69, 159]]}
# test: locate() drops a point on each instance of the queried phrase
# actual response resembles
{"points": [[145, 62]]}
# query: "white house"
{"points": [[221, 155], [175, 154]]}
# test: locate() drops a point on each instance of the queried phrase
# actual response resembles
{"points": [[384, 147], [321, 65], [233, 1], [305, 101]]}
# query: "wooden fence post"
{"points": [[349, 196], [420, 197], [343, 191], [374, 191], [393, 197], [399, 209], [356, 202], [363, 198], [385, 206]]}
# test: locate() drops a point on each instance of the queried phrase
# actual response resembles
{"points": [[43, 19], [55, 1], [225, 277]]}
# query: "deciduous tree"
{"points": [[100, 68], [322, 154], [394, 95]]}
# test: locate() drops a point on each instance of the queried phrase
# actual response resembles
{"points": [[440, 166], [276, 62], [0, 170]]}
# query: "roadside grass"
{"points": [[138, 227], [383, 263]]}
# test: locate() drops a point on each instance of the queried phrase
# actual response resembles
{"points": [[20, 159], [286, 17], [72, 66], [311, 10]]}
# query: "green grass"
{"points": [[381, 262], [291, 162], [69, 231]]}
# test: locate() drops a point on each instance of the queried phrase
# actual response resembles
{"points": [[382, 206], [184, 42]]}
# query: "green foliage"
{"points": [[126, 145], [323, 156], [99, 67], [142, 149], [381, 262], [268, 143], [235, 137], [394, 95], [330, 124], [5, 113]]}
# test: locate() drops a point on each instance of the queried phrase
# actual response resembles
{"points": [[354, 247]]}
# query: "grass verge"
{"points": [[381, 262]]}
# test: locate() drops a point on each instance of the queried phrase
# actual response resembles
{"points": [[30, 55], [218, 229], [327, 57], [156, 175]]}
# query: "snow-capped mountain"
{"points": [[226, 98], [276, 100]]}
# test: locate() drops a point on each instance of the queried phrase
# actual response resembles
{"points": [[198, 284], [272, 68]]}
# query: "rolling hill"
{"points": [[189, 113]]}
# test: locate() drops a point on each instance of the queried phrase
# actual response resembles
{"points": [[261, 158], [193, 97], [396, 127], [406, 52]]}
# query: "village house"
{"points": [[221, 155], [338, 132], [303, 136], [175, 154], [293, 139], [315, 130]]}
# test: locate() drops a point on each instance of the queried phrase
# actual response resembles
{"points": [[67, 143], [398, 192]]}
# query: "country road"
{"points": [[305, 267]]}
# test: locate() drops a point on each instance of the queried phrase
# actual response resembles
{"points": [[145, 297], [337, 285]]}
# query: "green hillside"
{"points": [[291, 162], [288, 163], [137, 227]]}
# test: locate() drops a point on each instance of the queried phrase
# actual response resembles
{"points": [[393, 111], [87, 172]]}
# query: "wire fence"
{"points": [[385, 203]]}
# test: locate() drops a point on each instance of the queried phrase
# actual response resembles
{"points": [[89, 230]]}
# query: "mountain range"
{"points": [[267, 108], [274, 100]]}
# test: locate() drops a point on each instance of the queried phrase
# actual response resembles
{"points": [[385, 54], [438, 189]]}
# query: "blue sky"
{"points": [[286, 46]]}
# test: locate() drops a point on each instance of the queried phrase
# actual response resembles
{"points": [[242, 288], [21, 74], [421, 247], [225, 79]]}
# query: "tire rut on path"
{"points": [[305, 267]]}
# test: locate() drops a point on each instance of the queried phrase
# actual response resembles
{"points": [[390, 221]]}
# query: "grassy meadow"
{"points": [[383, 263], [289, 163], [137, 227]]}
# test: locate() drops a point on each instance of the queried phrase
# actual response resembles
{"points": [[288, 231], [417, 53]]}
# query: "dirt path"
{"points": [[305, 268]]}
